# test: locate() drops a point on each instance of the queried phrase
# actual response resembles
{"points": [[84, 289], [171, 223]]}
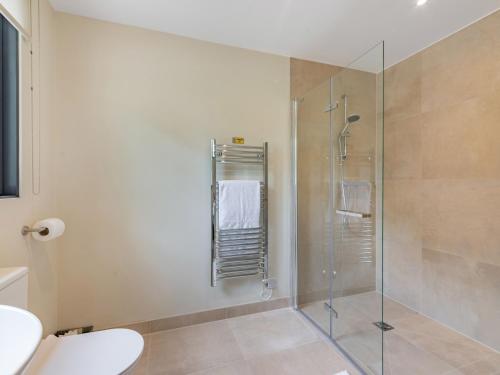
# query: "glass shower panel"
{"points": [[313, 226], [357, 188]]}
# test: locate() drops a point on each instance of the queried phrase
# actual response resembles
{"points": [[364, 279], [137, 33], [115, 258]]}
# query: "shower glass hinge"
{"points": [[329, 307], [383, 326], [331, 107]]}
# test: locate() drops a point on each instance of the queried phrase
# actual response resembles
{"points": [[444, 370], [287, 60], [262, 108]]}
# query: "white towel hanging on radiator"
{"points": [[239, 204]]}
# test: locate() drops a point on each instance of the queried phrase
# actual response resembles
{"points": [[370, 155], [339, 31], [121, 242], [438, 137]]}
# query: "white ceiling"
{"points": [[331, 31]]}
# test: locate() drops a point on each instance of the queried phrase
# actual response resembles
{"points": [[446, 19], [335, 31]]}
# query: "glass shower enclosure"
{"points": [[337, 185]]}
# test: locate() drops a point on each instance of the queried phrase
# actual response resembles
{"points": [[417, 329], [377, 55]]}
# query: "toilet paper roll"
{"points": [[54, 228]]}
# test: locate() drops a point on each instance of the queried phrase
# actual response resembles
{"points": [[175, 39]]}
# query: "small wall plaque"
{"points": [[238, 140]]}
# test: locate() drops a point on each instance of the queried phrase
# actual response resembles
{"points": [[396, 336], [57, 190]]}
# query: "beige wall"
{"points": [[15, 250], [136, 111], [442, 181]]}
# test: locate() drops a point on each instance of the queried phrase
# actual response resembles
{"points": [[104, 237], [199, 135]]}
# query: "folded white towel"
{"points": [[358, 196], [342, 373], [239, 204]]}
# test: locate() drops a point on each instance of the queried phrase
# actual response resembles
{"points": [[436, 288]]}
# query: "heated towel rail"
{"points": [[239, 252]]}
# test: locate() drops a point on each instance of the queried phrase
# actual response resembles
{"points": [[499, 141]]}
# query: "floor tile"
{"points": [[452, 347], [318, 313], [403, 358], [485, 366], [316, 358], [284, 342], [235, 368], [365, 347], [141, 367], [194, 348], [271, 331]]}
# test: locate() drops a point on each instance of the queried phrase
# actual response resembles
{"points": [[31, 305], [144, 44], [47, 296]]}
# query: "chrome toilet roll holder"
{"points": [[27, 230]]}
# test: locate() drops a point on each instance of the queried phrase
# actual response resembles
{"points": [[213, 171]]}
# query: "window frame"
{"points": [[15, 191]]}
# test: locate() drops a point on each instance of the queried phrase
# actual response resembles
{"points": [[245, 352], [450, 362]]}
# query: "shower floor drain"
{"points": [[383, 326]]}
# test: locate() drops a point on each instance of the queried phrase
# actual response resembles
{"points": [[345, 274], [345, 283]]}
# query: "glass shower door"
{"points": [[313, 202], [357, 189], [338, 133]]}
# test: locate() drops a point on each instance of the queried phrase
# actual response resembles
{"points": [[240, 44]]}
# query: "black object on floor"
{"points": [[383, 326]]}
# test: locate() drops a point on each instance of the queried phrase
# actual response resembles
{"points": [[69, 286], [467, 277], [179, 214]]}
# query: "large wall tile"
{"points": [[402, 241], [461, 141], [402, 89], [306, 75], [463, 294], [461, 67], [462, 217], [442, 181], [402, 211], [448, 290], [488, 304], [403, 148]]}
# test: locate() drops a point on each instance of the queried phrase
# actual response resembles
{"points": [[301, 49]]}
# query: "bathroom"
{"points": [[365, 134]]}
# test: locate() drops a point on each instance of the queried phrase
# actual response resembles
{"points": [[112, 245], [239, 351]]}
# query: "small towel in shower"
{"points": [[358, 195], [239, 204]]}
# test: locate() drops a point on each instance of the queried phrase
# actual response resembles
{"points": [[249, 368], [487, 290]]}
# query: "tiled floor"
{"points": [[275, 342], [283, 342], [417, 345]]}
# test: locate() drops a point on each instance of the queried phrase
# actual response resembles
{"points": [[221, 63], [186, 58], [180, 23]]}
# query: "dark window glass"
{"points": [[9, 109]]}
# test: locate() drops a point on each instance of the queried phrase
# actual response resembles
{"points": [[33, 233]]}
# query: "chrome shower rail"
{"points": [[239, 252]]}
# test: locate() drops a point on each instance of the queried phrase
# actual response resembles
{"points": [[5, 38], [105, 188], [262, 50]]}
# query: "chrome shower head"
{"points": [[349, 121], [353, 118]]}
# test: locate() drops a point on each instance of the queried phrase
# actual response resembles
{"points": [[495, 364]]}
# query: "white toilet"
{"points": [[107, 352]]}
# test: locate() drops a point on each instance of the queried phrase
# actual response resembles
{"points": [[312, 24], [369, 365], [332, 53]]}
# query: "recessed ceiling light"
{"points": [[421, 2]]}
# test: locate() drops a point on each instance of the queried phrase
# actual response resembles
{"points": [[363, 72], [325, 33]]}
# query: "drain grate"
{"points": [[383, 326]]}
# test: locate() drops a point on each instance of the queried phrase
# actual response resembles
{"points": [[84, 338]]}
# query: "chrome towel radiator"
{"points": [[239, 252]]}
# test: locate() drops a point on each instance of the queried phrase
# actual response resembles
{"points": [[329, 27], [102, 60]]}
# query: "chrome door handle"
{"points": [[329, 307]]}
